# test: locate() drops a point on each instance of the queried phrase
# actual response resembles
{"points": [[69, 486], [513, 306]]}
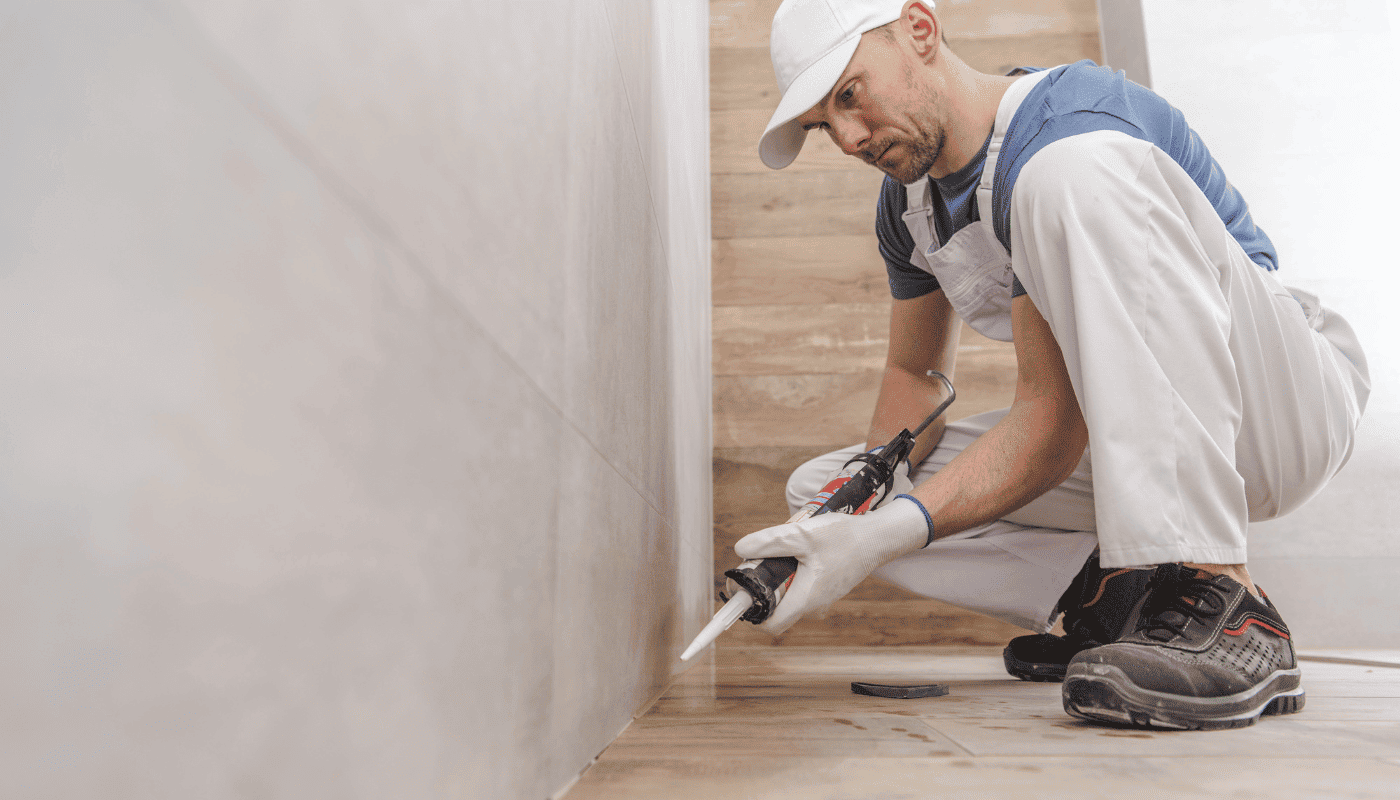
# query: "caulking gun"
{"points": [[755, 587]]}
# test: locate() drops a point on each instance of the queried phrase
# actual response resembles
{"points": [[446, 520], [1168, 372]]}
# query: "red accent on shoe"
{"points": [[1103, 584], [1253, 621]]}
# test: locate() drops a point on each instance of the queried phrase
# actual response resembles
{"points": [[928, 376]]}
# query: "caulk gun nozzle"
{"points": [[694, 648], [720, 623]]}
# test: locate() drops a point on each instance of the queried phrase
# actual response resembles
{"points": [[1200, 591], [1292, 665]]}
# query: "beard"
{"points": [[920, 154], [922, 149]]}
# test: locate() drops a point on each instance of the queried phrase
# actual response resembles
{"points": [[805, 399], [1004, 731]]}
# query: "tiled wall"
{"points": [[1295, 99], [354, 391]]}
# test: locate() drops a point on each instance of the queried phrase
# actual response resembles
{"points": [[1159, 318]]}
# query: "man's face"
{"points": [[879, 113]]}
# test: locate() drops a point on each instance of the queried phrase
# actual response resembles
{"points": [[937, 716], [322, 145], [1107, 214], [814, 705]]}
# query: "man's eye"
{"points": [[848, 94]]}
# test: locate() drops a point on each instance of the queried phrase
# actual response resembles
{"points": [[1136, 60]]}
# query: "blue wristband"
{"points": [[927, 518]]}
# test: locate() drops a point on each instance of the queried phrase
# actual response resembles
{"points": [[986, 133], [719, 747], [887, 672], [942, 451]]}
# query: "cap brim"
{"points": [[782, 139]]}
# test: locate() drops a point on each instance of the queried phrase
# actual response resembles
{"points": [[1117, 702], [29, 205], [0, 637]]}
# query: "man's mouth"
{"points": [[869, 157], [876, 161]]}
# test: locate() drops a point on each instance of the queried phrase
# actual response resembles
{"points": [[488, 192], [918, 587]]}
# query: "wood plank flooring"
{"points": [[764, 723], [801, 301]]}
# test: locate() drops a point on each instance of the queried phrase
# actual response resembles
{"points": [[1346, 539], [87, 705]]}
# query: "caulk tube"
{"points": [[756, 587]]}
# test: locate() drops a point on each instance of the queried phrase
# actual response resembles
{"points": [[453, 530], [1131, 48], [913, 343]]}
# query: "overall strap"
{"points": [[1010, 102], [918, 199]]}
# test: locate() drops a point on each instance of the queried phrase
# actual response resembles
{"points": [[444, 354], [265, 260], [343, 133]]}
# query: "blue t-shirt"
{"points": [[1075, 99], [958, 208]]}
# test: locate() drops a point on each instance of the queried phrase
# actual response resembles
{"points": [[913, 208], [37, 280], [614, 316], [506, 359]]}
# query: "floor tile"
{"points": [[779, 722], [879, 735], [1342, 709], [1295, 736], [1035, 701], [763, 778], [1351, 688]]}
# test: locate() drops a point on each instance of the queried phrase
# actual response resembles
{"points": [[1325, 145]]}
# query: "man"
{"points": [[1169, 389]]}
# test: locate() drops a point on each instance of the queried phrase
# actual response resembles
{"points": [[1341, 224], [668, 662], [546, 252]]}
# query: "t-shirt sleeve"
{"points": [[896, 245]]}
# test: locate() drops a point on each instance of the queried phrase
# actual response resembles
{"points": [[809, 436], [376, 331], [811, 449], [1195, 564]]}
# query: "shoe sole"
{"points": [[1036, 671], [1103, 693]]}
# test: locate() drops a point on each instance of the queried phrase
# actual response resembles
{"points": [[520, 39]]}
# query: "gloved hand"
{"points": [[835, 552], [900, 484]]}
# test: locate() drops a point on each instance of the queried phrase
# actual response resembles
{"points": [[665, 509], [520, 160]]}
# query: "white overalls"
{"points": [[1212, 394]]}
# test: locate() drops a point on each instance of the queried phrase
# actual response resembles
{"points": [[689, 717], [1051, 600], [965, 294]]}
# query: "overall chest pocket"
{"points": [[975, 273]]}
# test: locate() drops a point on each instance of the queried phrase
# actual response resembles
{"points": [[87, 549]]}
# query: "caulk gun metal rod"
{"points": [[952, 395]]}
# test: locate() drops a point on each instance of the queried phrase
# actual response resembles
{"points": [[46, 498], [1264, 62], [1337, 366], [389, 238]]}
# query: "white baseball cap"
{"points": [[813, 41]]}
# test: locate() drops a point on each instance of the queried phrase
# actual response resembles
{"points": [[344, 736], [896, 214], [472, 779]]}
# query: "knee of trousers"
{"points": [[1294, 441], [808, 479]]}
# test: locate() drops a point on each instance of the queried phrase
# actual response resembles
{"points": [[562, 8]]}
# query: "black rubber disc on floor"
{"points": [[900, 692]]}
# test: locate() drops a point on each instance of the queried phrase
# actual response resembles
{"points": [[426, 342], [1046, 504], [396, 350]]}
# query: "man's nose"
{"points": [[849, 135]]}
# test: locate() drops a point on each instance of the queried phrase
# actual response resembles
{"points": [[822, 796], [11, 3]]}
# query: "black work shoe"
{"points": [[1097, 606], [1204, 654]]}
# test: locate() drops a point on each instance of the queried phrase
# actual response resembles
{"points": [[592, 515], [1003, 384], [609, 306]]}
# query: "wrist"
{"points": [[927, 518], [899, 528]]}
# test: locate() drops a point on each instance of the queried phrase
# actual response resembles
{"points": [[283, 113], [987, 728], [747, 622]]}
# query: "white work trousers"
{"points": [[1213, 395]]}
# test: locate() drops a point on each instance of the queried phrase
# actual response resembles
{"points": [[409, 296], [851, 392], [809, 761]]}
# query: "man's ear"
{"points": [[923, 29]]}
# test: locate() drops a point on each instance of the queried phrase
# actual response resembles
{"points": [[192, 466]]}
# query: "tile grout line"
{"points": [[945, 735]]}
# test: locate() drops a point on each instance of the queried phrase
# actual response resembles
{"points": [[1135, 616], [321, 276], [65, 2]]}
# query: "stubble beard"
{"points": [[924, 148], [922, 154]]}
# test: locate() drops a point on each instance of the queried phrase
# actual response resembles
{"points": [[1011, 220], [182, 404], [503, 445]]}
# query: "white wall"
{"points": [[354, 391], [1296, 99], [1123, 39]]}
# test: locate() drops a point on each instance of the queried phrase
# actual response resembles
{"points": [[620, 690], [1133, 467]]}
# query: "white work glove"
{"points": [[899, 484], [835, 552]]}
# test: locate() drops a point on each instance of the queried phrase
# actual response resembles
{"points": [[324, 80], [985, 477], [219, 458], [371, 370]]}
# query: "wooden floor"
{"points": [[753, 723], [801, 300]]}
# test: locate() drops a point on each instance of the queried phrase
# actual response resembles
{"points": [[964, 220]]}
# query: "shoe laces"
{"points": [[1178, 598]]}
